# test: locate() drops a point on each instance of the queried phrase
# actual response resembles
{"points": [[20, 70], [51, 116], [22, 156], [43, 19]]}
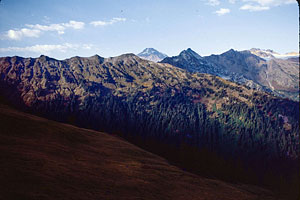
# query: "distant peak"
{"points": [[152, 55], [190, 52], [230, 52], [46, 58], [96, 56], [149, 51]]}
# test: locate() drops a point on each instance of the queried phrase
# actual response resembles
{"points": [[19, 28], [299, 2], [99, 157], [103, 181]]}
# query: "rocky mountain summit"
{"points": [[191, 61], [201, 122], [245, 68], [152, 55]]}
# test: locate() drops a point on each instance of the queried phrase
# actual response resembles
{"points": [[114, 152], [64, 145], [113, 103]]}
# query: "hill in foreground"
{"points": [[43, 159]]}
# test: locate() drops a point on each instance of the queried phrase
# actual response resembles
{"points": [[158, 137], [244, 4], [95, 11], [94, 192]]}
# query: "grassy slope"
{"points": [[43, 159]]}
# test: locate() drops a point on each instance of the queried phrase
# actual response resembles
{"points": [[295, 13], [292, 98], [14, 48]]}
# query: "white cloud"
{"points": [[47, 48], [99, 23], [232, 1], [254, 8], [30, 32], [74, 24], [14, 35], [222, 11], [213, 2], [110, 22], [59, 28], [24, 32], [271, 2], [261, 5], [34, 30]]}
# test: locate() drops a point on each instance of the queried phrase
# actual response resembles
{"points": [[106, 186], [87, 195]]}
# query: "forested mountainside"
{"points": [[277, 76], [201, 122]]}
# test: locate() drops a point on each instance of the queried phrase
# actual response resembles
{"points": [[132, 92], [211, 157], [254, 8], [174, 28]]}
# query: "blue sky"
{"points": [[63, 29]]}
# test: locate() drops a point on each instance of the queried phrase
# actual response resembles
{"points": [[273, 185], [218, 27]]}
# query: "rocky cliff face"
{"points": [[245, 68], [185, 117], [282, 77]]}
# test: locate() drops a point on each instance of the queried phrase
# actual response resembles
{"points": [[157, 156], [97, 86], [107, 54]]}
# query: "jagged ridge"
{"points": [[277, 76]]}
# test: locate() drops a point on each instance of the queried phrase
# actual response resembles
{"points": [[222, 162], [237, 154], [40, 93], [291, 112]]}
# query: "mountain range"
{"points": [[200, 122], [277, 76]]}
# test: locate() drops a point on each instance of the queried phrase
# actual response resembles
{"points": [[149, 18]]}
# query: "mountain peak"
{"points": [[230, 52], [190, 53], [45, 58], [96, 56], [149, 50], [152, 55]]}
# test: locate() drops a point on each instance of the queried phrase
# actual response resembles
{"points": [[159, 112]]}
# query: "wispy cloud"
{"points": [[222, 11], [213, 2], [271, 2], [261, 5], [232, 1], [74, 24], [59, 28], [253, 8], [110, 22], [47, 48], [35, 30]]}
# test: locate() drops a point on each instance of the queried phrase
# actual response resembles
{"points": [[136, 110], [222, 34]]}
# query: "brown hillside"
{"points": [[43, 159]]}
